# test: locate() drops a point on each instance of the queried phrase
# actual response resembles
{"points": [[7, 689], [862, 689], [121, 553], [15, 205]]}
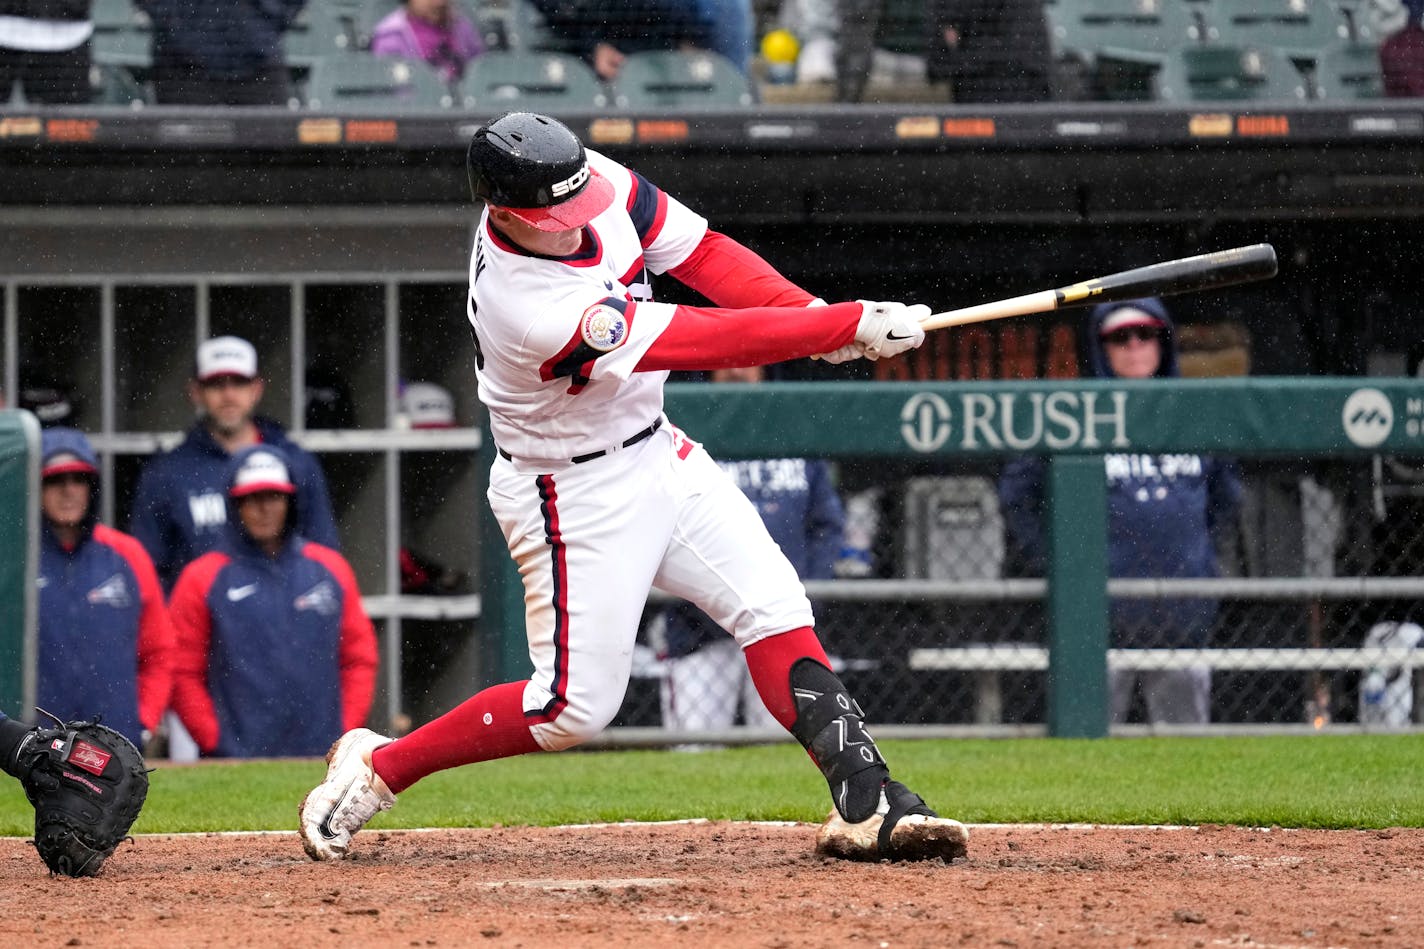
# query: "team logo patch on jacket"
{"points": [[112, 592], [321, 598], [603, 328]]}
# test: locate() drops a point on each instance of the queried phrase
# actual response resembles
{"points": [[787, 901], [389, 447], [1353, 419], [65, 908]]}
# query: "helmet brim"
{"points": [[592, 200]]}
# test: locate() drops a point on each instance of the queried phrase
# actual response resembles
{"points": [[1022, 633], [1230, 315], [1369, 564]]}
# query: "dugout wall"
{"points": [[1075, 424], [19, 559]]}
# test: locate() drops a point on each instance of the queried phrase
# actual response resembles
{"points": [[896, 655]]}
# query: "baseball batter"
{"points": [[601, 497]]}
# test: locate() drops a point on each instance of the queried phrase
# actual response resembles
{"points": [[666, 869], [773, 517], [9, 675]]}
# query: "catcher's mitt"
{"points": [[87, 783]]}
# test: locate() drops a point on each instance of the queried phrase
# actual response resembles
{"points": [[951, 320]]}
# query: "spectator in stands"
{"points": [[220, 52], [1164, 512], [990, 50], [178, 511], [45, 47], [435, 31], [816, 23], [1402, 55], [276, 655], [706, 678], [605, 31], [105, 643]]}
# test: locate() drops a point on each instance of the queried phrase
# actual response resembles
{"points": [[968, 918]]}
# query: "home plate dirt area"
{"points": [[734, 885]]}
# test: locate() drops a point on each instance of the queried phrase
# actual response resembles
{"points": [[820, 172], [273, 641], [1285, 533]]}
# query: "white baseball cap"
{"points": [[261, 470], [427, 405], [226, 356]]}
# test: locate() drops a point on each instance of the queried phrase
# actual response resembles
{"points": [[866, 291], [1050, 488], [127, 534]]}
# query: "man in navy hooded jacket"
{"points": [[276, 655], [180, 511], [1163, 512]]}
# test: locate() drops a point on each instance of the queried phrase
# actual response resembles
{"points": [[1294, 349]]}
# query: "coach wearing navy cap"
{"points": [[180, 510], [276, 655], [105, 644]]}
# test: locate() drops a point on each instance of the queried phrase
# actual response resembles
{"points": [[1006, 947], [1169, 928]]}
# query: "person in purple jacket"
{"points": [[706, 679], [435, 31], [1163, 514], [180, 508]]}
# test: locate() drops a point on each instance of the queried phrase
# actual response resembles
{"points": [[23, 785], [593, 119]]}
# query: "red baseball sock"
{"points": [[770, 662], [488, 725]]}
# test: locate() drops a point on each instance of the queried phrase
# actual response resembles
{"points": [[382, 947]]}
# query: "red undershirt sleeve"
{"points": [[731, 275], [714, 338]]}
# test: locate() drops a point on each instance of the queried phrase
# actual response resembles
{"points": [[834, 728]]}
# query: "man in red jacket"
{"points": [[106, 646]]}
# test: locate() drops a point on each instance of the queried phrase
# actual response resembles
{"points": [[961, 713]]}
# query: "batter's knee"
{"points": [[576, 723]]}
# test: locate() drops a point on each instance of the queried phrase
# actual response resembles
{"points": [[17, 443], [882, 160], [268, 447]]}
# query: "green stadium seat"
{"points": [[123, 35], [116, 85], [678, 79], [514, 24], [1349, 71], [1230, 73], [1133, 31], [1299, 28], [359, 82], [322, 29], [506, 79]]}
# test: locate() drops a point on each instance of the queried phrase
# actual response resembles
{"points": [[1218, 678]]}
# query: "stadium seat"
{"points": [[123, 35], [1133, 31], [1301, 29], [1349, 71], [116, 85], [502, 79], [1225, 73], [362, 83], [677, 79], [322, 29], [513, 24]]}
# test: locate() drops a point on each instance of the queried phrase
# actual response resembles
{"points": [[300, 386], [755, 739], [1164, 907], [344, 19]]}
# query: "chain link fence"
{"points": [[936, 619]]}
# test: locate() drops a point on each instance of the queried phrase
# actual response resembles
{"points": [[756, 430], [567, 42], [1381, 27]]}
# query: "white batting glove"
{"points": [[889, 329], [845, 354]]}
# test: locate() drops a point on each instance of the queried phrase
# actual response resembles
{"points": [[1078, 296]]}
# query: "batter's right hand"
{"points": [[889, 329]]}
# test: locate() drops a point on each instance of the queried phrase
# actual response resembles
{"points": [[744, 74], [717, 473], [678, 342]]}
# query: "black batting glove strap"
{"points": [[902, 801]]}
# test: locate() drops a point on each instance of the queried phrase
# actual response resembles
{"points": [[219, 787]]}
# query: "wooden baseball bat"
{"points": [[1186, 275]]}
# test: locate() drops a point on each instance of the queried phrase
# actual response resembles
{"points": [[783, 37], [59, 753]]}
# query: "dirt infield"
{"points": [[719, 884]]}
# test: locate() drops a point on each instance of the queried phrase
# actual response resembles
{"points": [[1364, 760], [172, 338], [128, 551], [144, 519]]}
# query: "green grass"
{"points": [[1296, 781]]}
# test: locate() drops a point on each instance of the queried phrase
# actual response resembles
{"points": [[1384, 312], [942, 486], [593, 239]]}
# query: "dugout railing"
{"points": [[1282, 421]]}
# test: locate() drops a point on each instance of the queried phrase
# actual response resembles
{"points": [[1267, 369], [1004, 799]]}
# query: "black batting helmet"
{"points": [[534, 167]]}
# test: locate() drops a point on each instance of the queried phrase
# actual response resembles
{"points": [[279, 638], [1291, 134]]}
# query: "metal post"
{"points": [[1077, 597], [506, 649]]}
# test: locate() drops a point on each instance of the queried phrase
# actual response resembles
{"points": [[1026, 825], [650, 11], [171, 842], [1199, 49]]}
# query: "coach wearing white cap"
{"points": [[180, 509]]}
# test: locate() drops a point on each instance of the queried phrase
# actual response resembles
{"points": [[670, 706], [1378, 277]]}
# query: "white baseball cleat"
{"points": [[352, 793], [902, 828]]}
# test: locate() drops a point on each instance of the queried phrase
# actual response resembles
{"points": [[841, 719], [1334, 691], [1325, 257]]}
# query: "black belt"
{"points": [[628, 442]]}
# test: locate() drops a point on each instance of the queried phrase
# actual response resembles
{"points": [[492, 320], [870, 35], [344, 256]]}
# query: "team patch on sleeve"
{"points": [[603, 327]]}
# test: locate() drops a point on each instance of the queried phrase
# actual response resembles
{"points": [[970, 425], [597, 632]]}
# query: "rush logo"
{"points": [[570, 184]]}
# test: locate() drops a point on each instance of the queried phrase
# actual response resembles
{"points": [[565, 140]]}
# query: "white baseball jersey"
{"points": [[556, 348]]}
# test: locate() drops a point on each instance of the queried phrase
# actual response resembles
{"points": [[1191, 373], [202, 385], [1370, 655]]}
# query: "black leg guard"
{"points": [[829, 725]]}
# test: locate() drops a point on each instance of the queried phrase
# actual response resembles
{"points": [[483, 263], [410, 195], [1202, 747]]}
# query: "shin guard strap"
{"points": [[902, 801], [830, 729]]}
